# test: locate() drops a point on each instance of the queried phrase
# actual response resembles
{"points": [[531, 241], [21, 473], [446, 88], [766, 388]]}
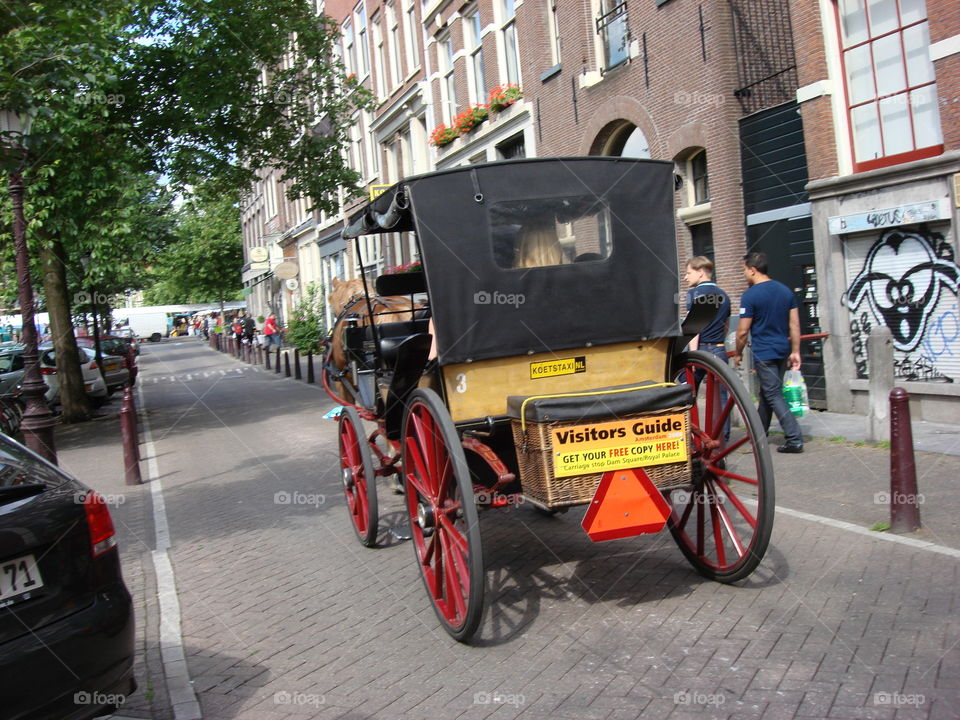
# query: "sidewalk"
{"points": [[928, 437]]}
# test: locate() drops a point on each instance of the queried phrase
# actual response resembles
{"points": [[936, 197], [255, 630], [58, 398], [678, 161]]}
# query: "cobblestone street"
{"points": [[285, 614]]}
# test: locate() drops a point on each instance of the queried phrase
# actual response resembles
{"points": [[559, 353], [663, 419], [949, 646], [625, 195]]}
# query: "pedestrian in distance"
{"points": [[704, 291], [770, 318], [249, 328], [271, 331]]}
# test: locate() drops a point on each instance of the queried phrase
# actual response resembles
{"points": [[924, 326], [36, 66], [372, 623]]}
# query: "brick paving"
{"points": [[286, 615]]}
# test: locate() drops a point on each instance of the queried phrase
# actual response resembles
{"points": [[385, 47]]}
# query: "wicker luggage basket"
{"points": [[533, 439]]}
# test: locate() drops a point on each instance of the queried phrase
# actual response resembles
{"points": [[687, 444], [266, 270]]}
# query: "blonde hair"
{"points": [[700, 262], [539, 247]]}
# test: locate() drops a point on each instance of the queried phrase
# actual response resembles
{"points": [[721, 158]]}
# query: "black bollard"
{"points": [[904, 499], [296, 364], [310, 379], [128, 432], [276, 368], [266, 357], [286, 364]]}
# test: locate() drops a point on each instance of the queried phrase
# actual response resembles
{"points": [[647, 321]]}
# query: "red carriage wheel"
{"points": [[359, 478], [443, 516], [723, 523]]}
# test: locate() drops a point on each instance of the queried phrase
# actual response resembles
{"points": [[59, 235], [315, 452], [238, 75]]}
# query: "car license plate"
{"points": [[88, 387], [19, 579], [111, 366]]}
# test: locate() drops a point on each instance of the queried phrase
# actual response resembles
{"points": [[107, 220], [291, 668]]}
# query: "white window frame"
{"points": [[448, 81], [473, 44], [380, 67], [348, 43], [509, 42], [610, 16], [393, 30], [553, 32], [410, 28], [363, 46]]}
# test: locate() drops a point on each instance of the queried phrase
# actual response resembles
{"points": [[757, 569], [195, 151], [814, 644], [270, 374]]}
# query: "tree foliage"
{"points": [[198, 92], [307, 324], [204, 262]]}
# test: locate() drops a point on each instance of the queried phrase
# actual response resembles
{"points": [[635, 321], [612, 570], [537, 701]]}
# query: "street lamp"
{"points": [[38, 421]]}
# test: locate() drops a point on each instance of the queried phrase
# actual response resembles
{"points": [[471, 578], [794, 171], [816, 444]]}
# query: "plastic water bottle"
{"points": [[795, 393]]}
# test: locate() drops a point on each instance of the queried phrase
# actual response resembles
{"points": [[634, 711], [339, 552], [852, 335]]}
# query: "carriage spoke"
{"points": [[454, 533], [452, 582], [717, 535], [730, 448], [747, 515], [722, 472], [418, 470], [731, 530], [710, 390], [700, 522]]}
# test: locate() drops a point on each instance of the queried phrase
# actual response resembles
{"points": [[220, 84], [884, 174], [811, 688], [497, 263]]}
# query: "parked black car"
{"points": [[66, 616]]}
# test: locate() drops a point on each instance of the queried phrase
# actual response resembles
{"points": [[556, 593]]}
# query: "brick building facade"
{"points": [[749, 98]]}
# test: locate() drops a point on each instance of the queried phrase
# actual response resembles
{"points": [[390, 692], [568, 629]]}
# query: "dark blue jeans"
{"points": [[770, 374]]}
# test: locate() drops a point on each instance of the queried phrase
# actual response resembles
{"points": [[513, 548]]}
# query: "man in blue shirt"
{"points": [[699, 278], [769, 315]]}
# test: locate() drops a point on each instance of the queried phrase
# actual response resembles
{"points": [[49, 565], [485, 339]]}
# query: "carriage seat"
{"points": [[392, 336]]}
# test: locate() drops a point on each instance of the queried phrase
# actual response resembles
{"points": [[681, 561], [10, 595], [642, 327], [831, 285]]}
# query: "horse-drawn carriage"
{"points": [[539, 356]]}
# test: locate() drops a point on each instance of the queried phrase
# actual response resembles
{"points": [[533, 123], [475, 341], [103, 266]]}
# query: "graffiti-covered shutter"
{"points": [[906, 279]]}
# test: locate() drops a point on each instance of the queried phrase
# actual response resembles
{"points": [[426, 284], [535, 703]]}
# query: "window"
{"points": [[614, 33], [410, 28], [348, 60], [512, 147], [396, 69], [552, 231], [379, 64], [553, 31], [448, 90], [371, 147], [890, 83], [508, 32], [473, 41], [363, 49], [698, 177]]}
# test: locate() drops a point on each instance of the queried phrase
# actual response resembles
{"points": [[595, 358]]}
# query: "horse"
{"points": [[348, 301]]}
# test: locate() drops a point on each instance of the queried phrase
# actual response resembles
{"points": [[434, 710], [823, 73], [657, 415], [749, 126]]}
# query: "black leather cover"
{"points": [[635, 399]]}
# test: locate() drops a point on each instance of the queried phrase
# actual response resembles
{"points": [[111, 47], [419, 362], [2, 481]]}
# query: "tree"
{"points": [[307, 322], [204, 263], [200, 91]]}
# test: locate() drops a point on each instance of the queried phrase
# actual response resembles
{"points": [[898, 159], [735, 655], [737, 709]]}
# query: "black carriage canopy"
{"points": [[538, 255]]}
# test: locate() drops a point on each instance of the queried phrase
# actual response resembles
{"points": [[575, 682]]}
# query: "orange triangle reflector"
{"points": [[626, 503]]}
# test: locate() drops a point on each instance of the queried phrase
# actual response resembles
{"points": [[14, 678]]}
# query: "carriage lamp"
{"points": [[38, 421]]}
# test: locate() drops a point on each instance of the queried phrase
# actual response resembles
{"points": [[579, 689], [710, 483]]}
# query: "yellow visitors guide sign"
{"points": [[562, 366], [599, 447]]}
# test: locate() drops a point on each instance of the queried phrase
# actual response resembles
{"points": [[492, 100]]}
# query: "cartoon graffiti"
{"points": [[903, 279]]}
